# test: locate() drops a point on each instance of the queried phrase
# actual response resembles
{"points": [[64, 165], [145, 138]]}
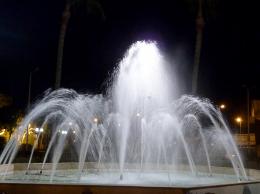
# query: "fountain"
{"points": [[137, 134]]}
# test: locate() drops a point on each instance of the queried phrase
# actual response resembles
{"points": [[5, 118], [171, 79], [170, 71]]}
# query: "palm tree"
{"points": [[199, 27], [207, 7], [92, 5]]}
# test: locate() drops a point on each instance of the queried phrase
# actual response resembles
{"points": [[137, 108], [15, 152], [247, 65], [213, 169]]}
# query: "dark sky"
{"points": [[29, 35]]}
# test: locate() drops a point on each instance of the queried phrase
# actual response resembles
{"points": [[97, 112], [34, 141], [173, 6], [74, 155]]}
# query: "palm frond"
{"points": [[95, 7], [92, 6], [209, 7]]}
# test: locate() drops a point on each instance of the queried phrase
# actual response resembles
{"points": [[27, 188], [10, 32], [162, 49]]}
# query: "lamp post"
{"points": [[30, 87], [247, 111], [29, 102], [248, 116], [239, 121]]}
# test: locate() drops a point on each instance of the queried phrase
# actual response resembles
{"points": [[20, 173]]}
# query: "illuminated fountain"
{"points": [[136, 134]]}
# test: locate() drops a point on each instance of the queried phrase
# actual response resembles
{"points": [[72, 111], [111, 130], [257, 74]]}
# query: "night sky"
{"points": [[29, 33]]}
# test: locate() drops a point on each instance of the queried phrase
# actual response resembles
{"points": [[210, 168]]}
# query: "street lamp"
{"points": [[63, 132], [239, 121], [222, 106], [95, 120], [38, 130]]}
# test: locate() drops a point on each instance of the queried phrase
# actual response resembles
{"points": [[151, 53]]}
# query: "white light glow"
{"points": [[63, 132], [222, 106], [95, 120], [239, 119]]}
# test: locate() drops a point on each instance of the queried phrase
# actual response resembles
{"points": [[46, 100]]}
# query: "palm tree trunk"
{"points": [[199, 25], [64, 23]]}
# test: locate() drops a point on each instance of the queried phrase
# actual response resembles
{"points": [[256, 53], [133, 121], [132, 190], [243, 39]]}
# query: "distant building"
{"points": [[242, 139], [255, 118], [255, 110], [255, 122]]}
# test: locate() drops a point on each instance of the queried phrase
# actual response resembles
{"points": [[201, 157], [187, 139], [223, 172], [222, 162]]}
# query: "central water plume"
{"points": [[141, 86], [138, 127]]}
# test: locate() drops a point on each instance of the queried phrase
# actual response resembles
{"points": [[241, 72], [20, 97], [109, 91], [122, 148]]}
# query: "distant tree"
{"points": [[2, 143], [10, 119], [92, 6], [204, 10], [17, 118], [5, 100]]}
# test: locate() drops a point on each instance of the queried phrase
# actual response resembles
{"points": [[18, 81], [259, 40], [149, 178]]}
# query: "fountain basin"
{"points": [[94, 180], [99, 174]]}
